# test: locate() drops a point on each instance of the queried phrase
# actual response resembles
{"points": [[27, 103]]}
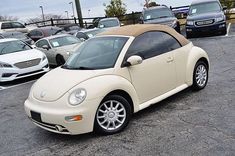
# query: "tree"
{"points": [[115, 8], [8, 18], [47, 17], [228, 3], [152, 4]]}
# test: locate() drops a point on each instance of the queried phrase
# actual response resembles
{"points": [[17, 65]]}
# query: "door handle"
{"points": [[170, 59]]}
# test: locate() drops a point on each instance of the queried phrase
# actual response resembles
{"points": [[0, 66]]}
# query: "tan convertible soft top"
{"points": [[138, 29]]}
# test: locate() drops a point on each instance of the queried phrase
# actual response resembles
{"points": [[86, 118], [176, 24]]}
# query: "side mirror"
{"points": [[101, 26], [33, 46], [45, 47], [225, 8], [134, 60]]}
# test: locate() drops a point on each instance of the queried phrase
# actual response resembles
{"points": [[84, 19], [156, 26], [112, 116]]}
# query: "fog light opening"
{"points": [[59, 128]]}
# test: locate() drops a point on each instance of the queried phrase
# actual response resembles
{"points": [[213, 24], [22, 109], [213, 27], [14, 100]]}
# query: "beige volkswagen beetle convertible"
{"points": [[114, 75]]}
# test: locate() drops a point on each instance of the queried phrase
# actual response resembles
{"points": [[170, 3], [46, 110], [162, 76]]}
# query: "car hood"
{"points": [[68, 48], [165, 21], [53, 85], [22, 56], [205, 16]]}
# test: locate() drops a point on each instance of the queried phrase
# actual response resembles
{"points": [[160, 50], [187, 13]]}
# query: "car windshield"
{"points": [[64, 41], [204, 8], [12, 47], [157, 13], [96, 53], [108, 23]]}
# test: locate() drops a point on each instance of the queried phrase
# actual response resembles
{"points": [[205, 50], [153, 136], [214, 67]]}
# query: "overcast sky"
{"points": [[25, 9]]}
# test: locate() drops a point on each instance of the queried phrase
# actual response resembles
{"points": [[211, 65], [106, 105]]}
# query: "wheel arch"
{"points": [[196, 54], [124, 94]]}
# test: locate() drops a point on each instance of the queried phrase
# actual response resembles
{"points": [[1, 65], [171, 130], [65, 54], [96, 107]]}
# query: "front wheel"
{"points": [[112, 115], [60, 60], [200, 75]]}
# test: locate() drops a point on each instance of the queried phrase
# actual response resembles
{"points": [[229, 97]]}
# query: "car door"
{"points": [[19, 27], [156, 75], [49, 52]]}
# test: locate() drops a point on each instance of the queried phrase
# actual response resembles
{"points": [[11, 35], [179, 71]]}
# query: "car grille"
{"points": [[206, 22], [27, 64]]}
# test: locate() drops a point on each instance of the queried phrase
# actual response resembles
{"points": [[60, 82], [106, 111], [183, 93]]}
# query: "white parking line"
{"points": [[228, 29], [4, 88]]}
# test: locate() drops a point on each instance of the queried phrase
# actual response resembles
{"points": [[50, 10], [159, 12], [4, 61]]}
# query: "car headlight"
{"points": [[5, 65], [44, 58], [189, 22], [174, 24], [77, 96], [219, 19]]}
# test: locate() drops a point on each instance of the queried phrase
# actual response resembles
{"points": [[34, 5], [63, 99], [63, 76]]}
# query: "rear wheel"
{"points": [[60, 60], [112, 115], [200, 75]]}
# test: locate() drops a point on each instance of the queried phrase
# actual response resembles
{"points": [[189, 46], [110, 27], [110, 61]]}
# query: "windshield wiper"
{"points": [[77, 68]]}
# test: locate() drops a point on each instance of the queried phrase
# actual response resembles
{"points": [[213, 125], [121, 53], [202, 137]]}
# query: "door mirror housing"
{"points": [[45, 47], [101, 26], [134, 60], [225, 8]]}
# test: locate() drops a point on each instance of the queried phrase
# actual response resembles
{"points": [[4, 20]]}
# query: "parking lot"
{"points": [[189, 123]]}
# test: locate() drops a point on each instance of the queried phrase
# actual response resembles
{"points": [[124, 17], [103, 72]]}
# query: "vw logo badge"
{"points": [[43, 94]]}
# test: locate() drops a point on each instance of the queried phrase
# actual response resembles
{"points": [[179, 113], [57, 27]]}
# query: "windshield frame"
{"points": [[199, 4], [72, 58]]}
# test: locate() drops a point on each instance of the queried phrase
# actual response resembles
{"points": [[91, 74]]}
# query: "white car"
{"points": [[13, 26], [58, 48], [19, 60], [113, 75]]}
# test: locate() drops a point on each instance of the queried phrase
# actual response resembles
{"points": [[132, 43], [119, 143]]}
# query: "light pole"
{"points": [[72, 8], [67, 13], [89, 13], [43, 18]]}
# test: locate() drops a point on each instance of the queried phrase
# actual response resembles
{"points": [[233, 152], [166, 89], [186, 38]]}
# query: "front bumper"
{"points": [[218, 27], [53, 114], [10, 74]]}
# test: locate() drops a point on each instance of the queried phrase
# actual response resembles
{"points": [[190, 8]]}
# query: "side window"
{"points": [[151, 44], [41, 43], [17, 25], [6, 26]]}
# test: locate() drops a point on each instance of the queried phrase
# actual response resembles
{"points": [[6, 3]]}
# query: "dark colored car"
{"points": [[160, 15], [71, 28], [17, 35], [88, 33], [42, 32], [205, 17]]}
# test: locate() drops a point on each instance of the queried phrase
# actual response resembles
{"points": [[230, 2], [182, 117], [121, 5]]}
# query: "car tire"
{"points": [[113, 115], [224, 31], [178, 28], [189, 35], [200, 75], [60, 60]]}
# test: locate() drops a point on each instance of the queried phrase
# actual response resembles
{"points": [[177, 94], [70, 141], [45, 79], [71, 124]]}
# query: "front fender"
{"points": [[99, 87], [194, 56]]}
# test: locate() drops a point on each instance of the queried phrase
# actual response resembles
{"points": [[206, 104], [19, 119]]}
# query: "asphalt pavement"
{"points": [[188, 123]]}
